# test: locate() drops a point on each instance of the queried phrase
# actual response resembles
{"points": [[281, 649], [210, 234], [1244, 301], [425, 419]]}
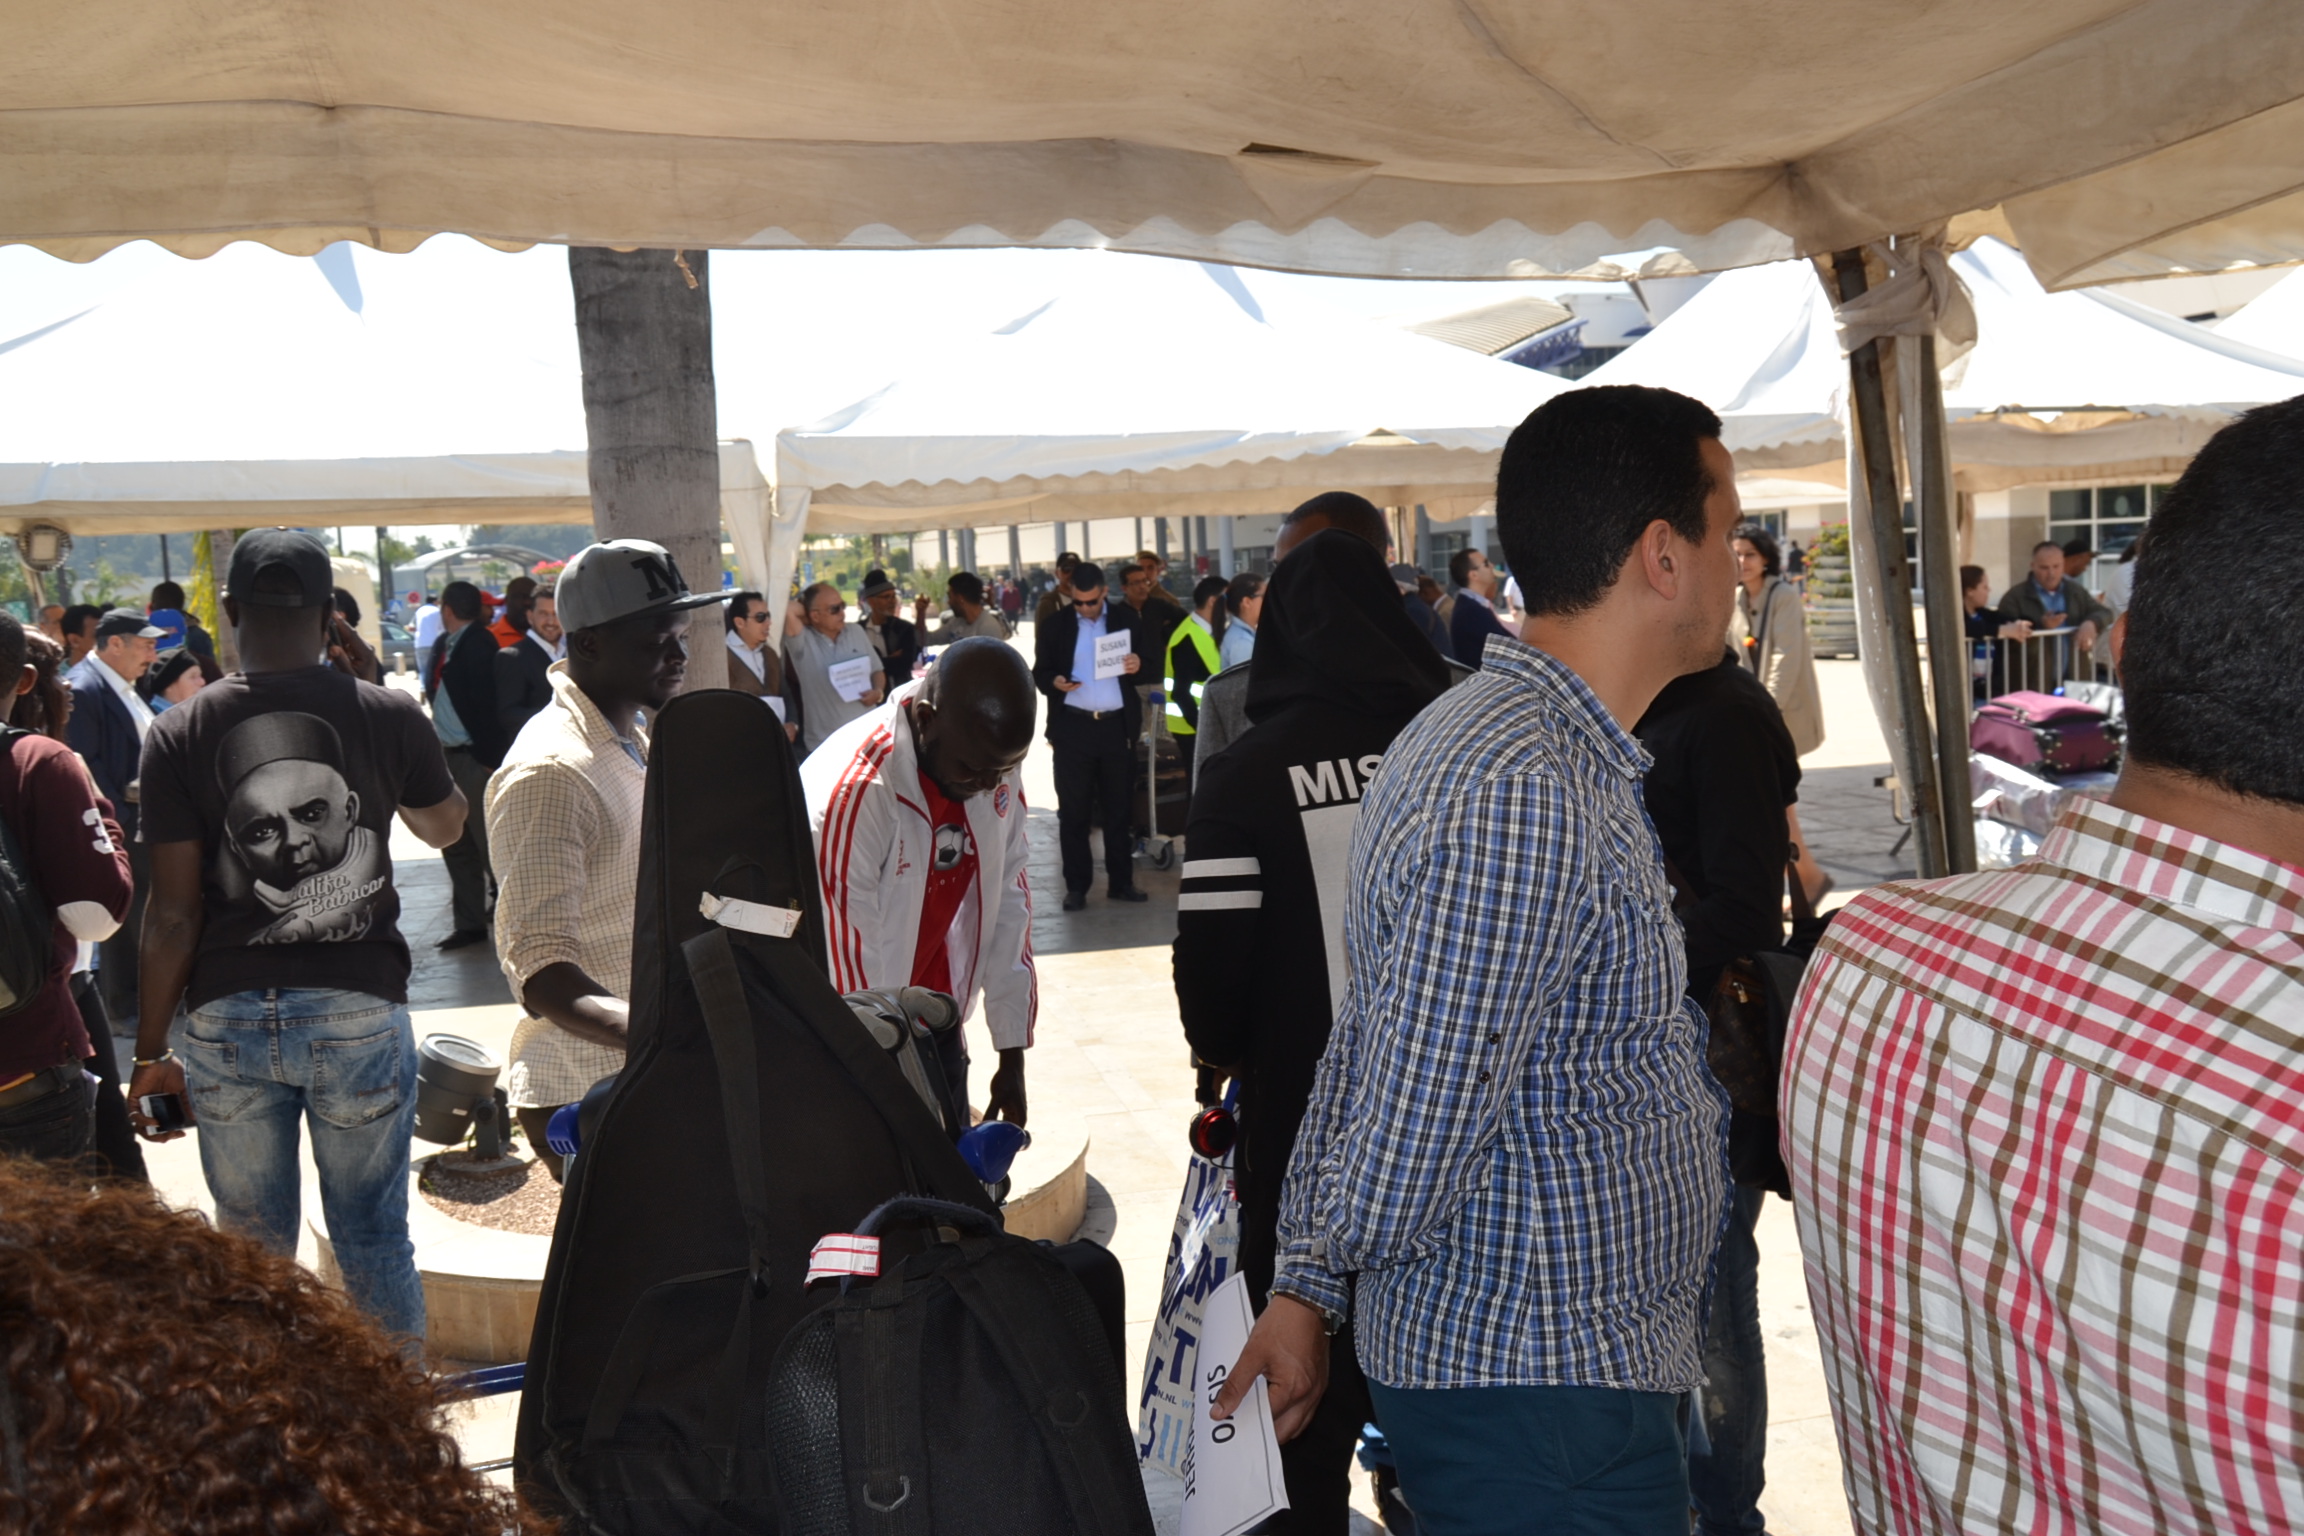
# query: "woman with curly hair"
{"points": [[45, 703], [161, 1378]]}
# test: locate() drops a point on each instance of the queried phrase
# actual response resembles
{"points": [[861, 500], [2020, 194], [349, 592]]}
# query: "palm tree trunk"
{"points": [[644, 333]]}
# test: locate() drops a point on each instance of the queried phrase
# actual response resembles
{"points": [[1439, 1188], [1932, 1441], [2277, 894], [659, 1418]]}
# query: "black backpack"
{"points": [[968, 1388], [27, 927]]}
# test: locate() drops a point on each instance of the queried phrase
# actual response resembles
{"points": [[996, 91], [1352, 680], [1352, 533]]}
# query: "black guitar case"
{"points": [[754, 1116]]}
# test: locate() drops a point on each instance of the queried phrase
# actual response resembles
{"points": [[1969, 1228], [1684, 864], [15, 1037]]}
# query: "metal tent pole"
{"points": [[1947, 631], [1884, 507], [1230, 561]]}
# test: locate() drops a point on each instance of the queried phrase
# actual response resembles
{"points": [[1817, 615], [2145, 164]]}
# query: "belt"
{"points": [[41, 1084], [1093, 714]]}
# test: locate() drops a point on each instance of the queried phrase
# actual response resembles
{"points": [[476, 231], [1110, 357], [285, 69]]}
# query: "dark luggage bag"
{"points": [[2045, 734], [970, 1387]]}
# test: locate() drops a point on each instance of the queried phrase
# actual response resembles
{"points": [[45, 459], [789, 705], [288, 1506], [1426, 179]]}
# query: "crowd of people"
{"points": [[1495, 910]]}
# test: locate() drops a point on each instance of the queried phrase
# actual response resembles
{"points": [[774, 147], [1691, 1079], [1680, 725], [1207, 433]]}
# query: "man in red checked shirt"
{"points": [[71, 848], [919, 823]]}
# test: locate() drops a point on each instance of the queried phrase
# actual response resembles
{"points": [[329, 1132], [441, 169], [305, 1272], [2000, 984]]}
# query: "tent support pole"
{"points": [[1015, 554], [1230, 566], [1884, 507], [1947, 631], [651, 415]]}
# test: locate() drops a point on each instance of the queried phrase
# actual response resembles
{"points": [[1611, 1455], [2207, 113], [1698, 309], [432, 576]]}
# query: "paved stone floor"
{"points": [[1110, 1057]]}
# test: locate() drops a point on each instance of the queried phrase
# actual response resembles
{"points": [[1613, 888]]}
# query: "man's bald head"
{"points": [[973, 716], [1356, 515]]}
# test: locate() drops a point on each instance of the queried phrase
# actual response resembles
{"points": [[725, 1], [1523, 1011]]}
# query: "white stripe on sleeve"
{"points": [[1214, 869], [1218, 901]]}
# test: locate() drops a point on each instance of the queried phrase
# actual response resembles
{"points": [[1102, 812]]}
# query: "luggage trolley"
{"points": [[1158, 805]]}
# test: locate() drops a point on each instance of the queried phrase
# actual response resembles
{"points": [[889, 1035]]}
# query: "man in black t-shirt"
{"points": [[1722, 777], [268, 801]]}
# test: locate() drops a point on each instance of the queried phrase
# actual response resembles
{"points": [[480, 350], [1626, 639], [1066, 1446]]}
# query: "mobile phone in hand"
{"points": [[165, 1111]]}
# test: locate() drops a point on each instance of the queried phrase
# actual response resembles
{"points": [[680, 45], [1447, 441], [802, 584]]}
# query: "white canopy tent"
{"points": [[1387, 137], [256, 387], [2274, 319], [2059, 387], [443, 388], [1160, 390]]}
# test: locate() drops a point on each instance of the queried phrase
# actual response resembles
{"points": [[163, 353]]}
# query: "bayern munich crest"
{"points": [[1000, 800]]}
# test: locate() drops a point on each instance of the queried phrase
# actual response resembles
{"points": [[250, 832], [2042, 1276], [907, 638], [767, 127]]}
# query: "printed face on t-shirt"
{"points": [[290, 820], [292, 833]]}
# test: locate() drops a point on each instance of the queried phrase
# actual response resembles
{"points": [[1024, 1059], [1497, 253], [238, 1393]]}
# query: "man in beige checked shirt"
{"points": [[564, 819]]}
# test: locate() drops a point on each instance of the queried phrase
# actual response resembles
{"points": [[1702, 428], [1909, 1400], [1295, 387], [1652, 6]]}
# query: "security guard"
{"points": [[1188, 673]]}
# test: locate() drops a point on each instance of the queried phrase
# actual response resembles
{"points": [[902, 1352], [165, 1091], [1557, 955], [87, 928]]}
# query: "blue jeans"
{"points": [[1485, 1461], [259, 1063], [1725, 1486]]}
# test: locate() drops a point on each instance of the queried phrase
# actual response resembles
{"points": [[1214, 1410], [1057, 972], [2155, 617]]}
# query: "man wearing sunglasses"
{"points": [[1092, 724]]}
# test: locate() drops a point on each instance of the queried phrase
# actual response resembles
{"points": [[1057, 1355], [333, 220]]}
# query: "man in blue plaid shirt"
{"points": [[1513, 1172]]}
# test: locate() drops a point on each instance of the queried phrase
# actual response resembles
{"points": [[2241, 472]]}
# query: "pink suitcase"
{"points": [[2045, 734]]}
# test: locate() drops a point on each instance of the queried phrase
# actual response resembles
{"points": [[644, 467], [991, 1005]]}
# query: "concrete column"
{"points": [[1015, 554], [944, 548], [1228, 566], [1160, 537]]}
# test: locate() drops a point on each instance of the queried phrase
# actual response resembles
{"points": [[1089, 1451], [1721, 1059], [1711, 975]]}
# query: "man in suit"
{"points": [[109, 719], [1474, 618], [460, 685], [1092, 726], [522, 688]]}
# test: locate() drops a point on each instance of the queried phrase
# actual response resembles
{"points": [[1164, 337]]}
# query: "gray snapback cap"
{"points": [[621, 578]]}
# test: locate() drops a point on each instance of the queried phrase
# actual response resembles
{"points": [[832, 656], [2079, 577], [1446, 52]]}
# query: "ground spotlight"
{"points": [[456, 1095]]}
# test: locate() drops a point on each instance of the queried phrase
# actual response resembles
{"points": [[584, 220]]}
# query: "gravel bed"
{"points": [[523, 1199]]}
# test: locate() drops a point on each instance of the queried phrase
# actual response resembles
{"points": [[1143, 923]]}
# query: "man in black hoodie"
{"points": [[1339, 669]]}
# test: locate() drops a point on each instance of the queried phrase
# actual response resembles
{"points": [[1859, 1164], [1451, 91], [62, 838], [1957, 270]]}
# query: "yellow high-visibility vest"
{"points": [[1205, 644]]}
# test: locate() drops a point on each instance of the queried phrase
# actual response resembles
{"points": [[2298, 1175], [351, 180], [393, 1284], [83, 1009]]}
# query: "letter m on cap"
{"points": [[663, 586]]}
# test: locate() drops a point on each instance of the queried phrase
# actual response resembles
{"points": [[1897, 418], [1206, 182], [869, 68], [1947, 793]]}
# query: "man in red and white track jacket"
{"points": [[919, 823]]}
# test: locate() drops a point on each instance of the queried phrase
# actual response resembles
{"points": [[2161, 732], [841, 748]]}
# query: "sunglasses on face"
{"points": [[1088, 602]]}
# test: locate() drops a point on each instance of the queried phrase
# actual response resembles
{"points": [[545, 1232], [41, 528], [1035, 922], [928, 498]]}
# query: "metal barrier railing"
{"points": [[2041, 662]]}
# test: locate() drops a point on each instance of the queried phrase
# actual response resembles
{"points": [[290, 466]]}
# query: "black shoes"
{"points": [[464, 938], [1077, 901]]}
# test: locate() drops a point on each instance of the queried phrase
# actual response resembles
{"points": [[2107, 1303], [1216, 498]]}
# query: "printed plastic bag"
{"points": [[1203, 1251]]}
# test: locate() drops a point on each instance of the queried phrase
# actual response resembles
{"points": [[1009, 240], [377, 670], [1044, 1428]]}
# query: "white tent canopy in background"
{"points": [[443, 386], [1387, 137], [1155, 389], [255, 387], [2059, 387], [2274, 319]]}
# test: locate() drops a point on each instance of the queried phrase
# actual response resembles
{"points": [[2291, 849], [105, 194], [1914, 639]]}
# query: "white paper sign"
{"points": [[775, 704], [1112, 654], [1232, 1478], [850, 678]]}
